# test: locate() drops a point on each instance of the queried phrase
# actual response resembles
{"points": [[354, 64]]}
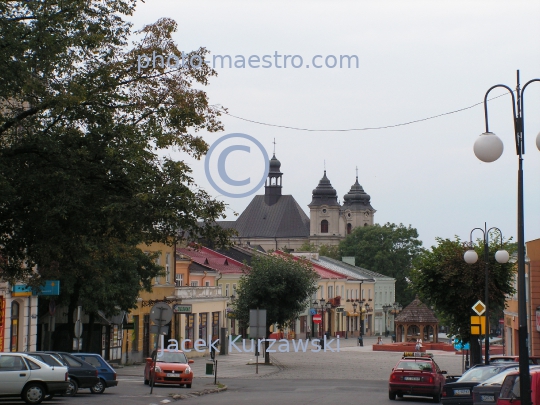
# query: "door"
{"points": [[13, 374]]}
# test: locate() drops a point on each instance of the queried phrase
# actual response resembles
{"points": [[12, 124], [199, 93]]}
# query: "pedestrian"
{"points": [[418, 346], [379, 340]]}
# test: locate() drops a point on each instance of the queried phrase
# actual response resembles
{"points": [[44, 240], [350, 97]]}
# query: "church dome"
{"points": [[275, 165], [324, 193], [356, 197]]}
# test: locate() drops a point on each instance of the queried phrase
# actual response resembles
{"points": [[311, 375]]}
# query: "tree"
{"points": [[388, 249], [282, 285], [331, 251], [443, 279], [82, 182]]}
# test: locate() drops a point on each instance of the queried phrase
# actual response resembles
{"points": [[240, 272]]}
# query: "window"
{"points": [[330, 292], [207, 283], [234, 290], [135, 333], [179, 280], [195, 283], [226, 290], [324, 226], [362, 293], [32, 365], [11, 363], [72, 362], [158, 262], [322, 291], [349, 227], [168, 268], [369, 294], [347, 294]]}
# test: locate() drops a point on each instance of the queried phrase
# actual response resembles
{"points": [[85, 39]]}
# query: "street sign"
{"points": [[478, 325], [78, 329], [317, 318], [257, 323], [479, 308], [182, 308], [161, 314], [51, 287]]}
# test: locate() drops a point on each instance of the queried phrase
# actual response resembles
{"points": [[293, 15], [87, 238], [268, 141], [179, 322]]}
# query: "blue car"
{"points": [[106, 374]]}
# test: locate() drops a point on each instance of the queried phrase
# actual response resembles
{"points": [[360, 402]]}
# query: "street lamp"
{"points": [[471, 257], [367, 315], [396, 310], [488, 148], [328, 308], [386, 308]]}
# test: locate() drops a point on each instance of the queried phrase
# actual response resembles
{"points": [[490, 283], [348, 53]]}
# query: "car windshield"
{"points": [[480, 374], [499, 378], [415, 365], [171, 357]]}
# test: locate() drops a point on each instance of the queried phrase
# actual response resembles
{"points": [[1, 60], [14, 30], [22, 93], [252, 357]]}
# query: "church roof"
{"points": [[283, 219], [275, 165], [324, 193], [416, 312], [356, 198], [338, 265]]}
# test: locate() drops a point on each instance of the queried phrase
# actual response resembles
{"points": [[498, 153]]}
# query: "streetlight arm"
{"points": [[522, 112], [493, 228], [518, 144], [480, 229]]}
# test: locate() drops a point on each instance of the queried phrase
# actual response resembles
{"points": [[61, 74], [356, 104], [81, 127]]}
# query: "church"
{"points": [[275, 221]]}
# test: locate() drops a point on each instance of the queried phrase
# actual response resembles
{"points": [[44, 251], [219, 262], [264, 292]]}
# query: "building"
{"points": [[18, 320], [275, 221]]}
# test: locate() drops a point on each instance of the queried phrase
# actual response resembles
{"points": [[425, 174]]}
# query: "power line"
{"points": [[357, 129]]}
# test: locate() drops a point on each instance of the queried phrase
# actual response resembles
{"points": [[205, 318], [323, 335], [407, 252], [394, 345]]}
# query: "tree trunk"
{"points": [[476, 354]]}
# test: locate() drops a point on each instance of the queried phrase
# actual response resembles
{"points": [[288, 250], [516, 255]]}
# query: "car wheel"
{"points": [[188, 385], [72, 389], [33, 393], [99, 388], [391, 395], [400, 395]]}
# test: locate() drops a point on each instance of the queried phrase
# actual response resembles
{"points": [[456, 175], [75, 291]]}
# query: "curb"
{"points": [[177, 397]]}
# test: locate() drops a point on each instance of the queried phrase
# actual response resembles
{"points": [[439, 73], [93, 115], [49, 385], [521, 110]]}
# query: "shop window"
{"points": [[324, 226], [349, 228], [203, 326]]}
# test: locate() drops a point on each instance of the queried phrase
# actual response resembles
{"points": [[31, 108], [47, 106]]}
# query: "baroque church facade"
{"points": [[275, 221]]}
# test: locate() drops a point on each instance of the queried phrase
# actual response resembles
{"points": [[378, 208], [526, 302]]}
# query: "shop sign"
{"points": [[182, 308]]}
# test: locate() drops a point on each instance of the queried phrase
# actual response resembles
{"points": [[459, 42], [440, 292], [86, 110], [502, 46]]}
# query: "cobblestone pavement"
{"points": [[351, 362]]}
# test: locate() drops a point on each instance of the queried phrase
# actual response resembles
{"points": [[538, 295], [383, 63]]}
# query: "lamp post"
{"points": [[354, 305], [328, 308], [488, 148], [396, 310], [367, 315], [386, 308], [471, 257]]}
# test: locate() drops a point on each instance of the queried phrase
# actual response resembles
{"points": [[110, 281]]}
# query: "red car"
{"points": [[419, 376], [171, 368]]}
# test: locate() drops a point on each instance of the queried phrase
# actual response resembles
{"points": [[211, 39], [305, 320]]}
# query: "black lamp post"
{"points": [[386, 308], [328, 308], [395, 311], [367, 314], [471, 257], [489, 148]]}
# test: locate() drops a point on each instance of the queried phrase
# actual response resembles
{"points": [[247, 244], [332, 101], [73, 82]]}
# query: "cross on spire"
{"points": [[274, 146], [356, 172]]}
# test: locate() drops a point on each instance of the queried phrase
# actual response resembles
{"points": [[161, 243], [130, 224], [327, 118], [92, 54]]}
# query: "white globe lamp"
{"points": [[502, 256], [538, 141], [470, 256], [488, 147]]}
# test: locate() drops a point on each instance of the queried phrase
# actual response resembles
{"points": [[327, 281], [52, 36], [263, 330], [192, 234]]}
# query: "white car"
{"points": [[30, 379]]}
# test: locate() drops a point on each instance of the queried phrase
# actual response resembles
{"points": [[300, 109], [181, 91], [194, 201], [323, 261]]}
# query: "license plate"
{"points": [[462, 392], [173, 375], [487, 398], [411, 378]]}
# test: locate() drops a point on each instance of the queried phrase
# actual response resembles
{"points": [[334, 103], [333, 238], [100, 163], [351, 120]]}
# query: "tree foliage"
{"points": [[280, 284], [331, 251], [387, 249], [443, 279], [82, 130]]}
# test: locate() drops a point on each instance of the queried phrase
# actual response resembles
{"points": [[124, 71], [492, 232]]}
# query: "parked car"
{"points": [[416, 376], [171, 368], [460, 392], [487, 392], [81, 374], [50, 360], [512, 359], [510, 390], [30, 379], [106, 374]]}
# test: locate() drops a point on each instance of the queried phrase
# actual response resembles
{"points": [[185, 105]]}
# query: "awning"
{"points": [[352, 313]]}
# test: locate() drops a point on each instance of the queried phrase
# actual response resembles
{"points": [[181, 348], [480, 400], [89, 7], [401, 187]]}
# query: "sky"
{"points": [[416, 59]]}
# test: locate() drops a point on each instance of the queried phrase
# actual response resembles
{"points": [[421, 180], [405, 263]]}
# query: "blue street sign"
{"points": [[51, 287], [312, 311]]}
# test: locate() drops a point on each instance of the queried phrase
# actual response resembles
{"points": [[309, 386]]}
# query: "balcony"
{"points": [[189, 292]]}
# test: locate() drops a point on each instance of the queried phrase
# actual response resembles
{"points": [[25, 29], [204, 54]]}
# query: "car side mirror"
{"points": [[190, 361]]}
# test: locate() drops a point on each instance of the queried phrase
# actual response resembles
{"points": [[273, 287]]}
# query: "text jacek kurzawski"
{"points": [[248, 345]]}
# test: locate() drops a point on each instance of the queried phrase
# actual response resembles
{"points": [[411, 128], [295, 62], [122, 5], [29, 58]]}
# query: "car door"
{"points": [[13, 374]]}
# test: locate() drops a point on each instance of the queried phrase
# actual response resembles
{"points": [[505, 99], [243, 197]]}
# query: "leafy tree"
{"points": [[443, 279], [323, 250], [388, 249], [280, 284], [82, 182]]}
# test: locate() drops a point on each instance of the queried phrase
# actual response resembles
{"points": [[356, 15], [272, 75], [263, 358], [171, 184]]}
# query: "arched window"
{"points": [[324, 226], [349, 228], [14, 333]]}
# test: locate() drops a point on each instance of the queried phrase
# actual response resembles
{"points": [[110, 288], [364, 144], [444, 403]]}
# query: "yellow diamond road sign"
{"points": [[479, 307]]}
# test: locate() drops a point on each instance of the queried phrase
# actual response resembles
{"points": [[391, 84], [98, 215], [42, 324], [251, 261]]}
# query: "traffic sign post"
{"points": [[161, 314], [257, 330]]}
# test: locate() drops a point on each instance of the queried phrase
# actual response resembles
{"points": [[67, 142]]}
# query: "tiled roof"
{"points": [[213, 260], [283, 219], [416, 312], [322, 271], [334, 264]]}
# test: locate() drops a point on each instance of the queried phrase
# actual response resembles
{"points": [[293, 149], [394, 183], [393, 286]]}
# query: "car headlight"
{"points": [[157, 369], [188, 370]]}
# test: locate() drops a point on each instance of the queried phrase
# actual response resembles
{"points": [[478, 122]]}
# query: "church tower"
{"points": [[324, 211], [273, 186], [357, 209]]}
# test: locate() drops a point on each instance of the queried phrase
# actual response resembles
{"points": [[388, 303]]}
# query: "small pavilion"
{"points": [[416, 321]]}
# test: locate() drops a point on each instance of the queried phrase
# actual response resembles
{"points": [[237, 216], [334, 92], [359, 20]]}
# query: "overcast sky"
{"points": [[417, 59]]}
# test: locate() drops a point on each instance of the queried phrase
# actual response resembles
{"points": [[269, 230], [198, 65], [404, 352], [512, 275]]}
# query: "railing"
{"points": [[198, 292]]}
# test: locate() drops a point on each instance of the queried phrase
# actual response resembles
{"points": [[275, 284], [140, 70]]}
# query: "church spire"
{"points": [[273, 186]]}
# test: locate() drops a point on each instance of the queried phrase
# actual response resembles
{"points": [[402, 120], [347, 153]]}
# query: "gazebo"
{"points": [[416, 321]]}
